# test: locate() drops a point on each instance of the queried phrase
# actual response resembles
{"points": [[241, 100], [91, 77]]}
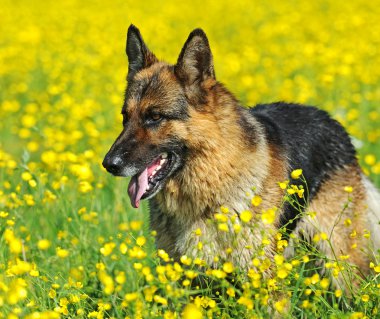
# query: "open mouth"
{"points": [[147, 182]]}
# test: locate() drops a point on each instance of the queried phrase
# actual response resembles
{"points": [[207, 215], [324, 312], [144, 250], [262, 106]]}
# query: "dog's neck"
{"points": [[223, 163]]}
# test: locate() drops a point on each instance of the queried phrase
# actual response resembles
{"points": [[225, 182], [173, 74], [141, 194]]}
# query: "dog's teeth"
{"points": [[158, 167], [153, 173], [162, 161], [164, 155]]}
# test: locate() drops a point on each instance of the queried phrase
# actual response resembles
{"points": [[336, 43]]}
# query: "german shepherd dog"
{"points": [[190, 147]]}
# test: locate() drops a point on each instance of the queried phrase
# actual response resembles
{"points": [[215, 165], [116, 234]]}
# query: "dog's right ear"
{"points": [[139, 56]]}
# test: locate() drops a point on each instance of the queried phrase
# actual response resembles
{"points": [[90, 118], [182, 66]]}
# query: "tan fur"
{"points": [[340, 215], [215, 176], [211, 173]]}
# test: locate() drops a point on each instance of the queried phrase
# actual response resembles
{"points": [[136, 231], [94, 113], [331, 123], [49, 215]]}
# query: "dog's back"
{"points": [[339, 200], [310, 140]]}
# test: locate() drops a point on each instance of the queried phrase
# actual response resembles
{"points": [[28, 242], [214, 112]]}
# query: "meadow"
{"points": [[71, 245]]}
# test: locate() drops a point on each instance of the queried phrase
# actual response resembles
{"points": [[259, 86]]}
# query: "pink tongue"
{"points": [[137, 187]]}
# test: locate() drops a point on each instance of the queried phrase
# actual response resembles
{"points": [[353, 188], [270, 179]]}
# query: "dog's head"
{"points": [[159, 102]]}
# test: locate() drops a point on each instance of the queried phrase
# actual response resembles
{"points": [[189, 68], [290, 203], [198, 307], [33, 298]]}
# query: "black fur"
{"points": [[135, 50], [311, 140], [139, 56]]}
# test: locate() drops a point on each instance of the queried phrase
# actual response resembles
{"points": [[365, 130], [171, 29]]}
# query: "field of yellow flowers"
{"points": [[71, 245]]}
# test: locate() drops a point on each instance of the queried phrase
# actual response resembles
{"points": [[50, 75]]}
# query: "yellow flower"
{"points": [[26, 176], [85, 187], [186, 260], [357, 315], [279, 259], [365, 298], [237, 228], [163, 255], [16, 291], [347, 222], [161, 300], [120, 277], [32, 146], [130, 296], [256, 200], [280, 306], [223, 227], [300, 192], [32, 183], [169, 315], [348, 189], [198, 232], [231, 292], [136, 224], [282, 273], [4, 214], [62, 253], [221, 217], [246, 302], [315, 279], [269, 216], [191, 311], [245, 216], [325, 282], [295, 174], [43, 244], [28, 121], [224, 210], [49, 157], [220, 274], [344, 257], [228, 267], [83, 172], [52, 293], [123, 248], [134, 252], [370, 159], [14, 243], [191, 274], [141, 240], [283, 185], [107, 249], [34, 273]]}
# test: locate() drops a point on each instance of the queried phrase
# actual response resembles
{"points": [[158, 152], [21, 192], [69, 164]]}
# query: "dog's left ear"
{"points": [[195, 62], [139, 56]]}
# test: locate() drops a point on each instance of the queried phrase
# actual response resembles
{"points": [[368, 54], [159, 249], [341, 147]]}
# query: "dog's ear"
{"points": [[139, 56], [195, 62]]}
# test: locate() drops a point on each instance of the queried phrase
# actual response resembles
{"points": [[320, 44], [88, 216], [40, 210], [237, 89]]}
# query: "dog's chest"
{"points": [[209, 235]]}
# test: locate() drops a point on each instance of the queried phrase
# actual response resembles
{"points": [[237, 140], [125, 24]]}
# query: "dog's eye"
{"points": [[156, 117], [153, 118]]}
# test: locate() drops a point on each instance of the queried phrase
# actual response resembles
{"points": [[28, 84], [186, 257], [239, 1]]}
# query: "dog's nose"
{"points": [[113, 164]]}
